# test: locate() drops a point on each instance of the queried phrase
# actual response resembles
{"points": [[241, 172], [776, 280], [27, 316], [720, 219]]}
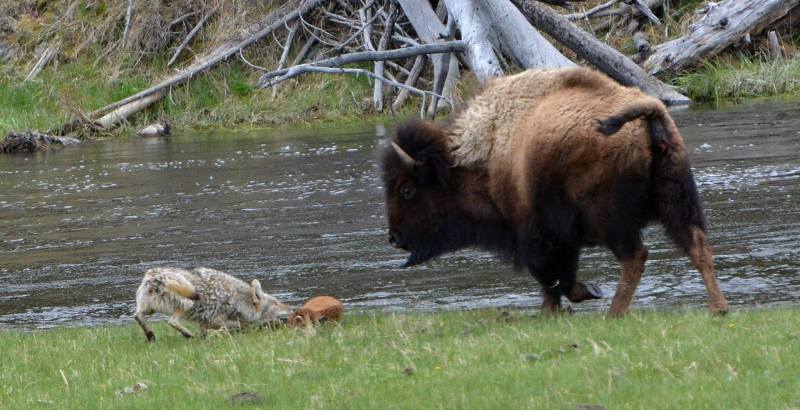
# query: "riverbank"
{"points": [[102, 53], [222, 98], [459, 359]]}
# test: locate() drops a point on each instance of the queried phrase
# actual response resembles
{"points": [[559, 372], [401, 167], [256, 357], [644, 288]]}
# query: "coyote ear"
{"points": [[255, 290]]}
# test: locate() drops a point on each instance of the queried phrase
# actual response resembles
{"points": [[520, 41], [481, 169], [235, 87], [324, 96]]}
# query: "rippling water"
{"points": [[302, 210]]}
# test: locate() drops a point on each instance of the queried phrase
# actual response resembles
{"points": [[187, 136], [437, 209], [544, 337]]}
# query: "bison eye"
{"points": [[408, 191]]}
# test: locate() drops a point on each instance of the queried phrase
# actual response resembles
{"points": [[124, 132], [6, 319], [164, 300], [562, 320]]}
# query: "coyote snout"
{"points": [[209, 297]]}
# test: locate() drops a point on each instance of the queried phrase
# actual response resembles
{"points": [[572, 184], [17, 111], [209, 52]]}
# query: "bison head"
{"points": [[420, 192]]}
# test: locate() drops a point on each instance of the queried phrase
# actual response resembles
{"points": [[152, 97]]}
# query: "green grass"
{"points": [[468, 359], [739, 78], [223, 97]]}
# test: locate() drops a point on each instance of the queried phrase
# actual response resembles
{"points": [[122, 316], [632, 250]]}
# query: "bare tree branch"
{"points": [[189, 37], [128, 18], [416, 70], [307, 68], [445, 47], [591, 12], [377, 94]]}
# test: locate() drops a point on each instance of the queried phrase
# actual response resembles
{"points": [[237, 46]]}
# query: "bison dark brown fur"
{"points": [[540, 165]]}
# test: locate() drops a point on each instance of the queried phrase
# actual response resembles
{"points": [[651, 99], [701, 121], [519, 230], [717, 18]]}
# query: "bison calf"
{"points": [[209, 297], [316, 310], [539, 165]]}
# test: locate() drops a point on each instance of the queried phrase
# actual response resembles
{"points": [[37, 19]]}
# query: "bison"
{"points": [[539, 165]]}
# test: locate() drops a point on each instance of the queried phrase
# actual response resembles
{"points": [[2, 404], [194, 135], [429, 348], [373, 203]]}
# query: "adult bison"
{"points": [[538, 166]]}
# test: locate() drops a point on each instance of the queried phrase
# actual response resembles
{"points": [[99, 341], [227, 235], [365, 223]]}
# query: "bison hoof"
{"points": [[719, 309], [151, 337], [581, 292]]}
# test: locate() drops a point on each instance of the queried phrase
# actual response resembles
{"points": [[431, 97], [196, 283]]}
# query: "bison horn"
{"points": [[408, 161]]}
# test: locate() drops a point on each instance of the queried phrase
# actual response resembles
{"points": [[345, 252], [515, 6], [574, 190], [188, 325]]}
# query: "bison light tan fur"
{"points": [[209, 297], [540, 165]]}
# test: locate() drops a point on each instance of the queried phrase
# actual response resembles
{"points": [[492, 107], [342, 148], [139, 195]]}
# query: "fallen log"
{"points": [[431, 30], [276, 19], [32, 141], [602, 56], [377, 93], [518, 39], [287, 47], [47, 55], [416, 70], [720, 27], [474, 31]]}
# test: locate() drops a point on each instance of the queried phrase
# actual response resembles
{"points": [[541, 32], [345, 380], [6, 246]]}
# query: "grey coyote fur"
{"points": [[209, 297]]}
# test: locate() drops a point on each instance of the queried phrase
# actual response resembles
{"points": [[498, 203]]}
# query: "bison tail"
{"points": [[649, 109]]}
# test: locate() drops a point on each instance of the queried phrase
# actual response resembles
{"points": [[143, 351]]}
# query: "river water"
{"points": [[303, 211]]}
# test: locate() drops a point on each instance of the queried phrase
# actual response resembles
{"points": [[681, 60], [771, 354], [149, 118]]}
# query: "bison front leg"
{"points": [[703, 260], [632, 270], [555, 267]]}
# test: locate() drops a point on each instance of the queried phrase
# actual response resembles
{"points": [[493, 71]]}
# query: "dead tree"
{"points": [[430, 30], [722, 25], [136, 102], [602, 56], [480, 54], [514, 35]]}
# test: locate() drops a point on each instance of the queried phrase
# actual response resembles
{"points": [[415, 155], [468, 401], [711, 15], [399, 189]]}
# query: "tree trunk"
{"points": [[608, 60], [474, 31], [430, 30], [722, 25], [518, 39]]}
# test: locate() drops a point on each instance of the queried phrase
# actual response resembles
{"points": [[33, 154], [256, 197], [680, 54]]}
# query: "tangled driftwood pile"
{"points": [[31, 141], [425, 47]]}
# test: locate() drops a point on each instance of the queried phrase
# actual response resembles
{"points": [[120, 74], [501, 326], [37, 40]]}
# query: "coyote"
{"points": [[209, 297]]}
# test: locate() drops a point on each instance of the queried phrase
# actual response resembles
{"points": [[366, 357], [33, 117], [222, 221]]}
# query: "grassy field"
{"points": [[469, 359]]}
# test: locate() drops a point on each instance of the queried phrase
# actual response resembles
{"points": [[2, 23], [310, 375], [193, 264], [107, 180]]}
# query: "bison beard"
{"points": [[459, 232], [538, 166]]}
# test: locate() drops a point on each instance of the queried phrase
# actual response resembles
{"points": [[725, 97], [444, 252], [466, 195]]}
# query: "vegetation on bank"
{"points": [[467, 359], [93, 68], [222, 98]]}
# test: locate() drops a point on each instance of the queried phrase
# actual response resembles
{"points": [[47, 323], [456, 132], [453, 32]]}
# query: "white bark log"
{"points": [[124, 112], [47, 55], [722, 26], [431, 30], [599, 54], [264, 27], [128, 19], [416, 70], [474, 30], [518, 39]]}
